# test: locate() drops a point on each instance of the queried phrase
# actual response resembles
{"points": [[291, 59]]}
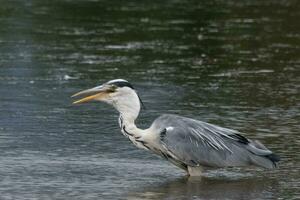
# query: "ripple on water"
{"points": [[234, 64]]}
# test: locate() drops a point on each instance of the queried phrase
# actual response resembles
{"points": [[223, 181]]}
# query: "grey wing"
{"points": [[198, 143]]}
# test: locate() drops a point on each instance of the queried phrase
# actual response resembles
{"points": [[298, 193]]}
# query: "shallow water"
{"points": [[232, 63]]}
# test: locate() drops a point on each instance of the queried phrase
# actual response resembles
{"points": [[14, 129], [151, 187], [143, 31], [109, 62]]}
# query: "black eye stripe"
{"points": [[122, 84]]}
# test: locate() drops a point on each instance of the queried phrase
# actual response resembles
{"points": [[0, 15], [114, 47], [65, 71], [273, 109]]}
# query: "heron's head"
{"points": [[119, 93]]}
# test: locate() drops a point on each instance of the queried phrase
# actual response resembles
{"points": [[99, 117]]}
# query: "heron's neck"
{"points": [[129, 108], [127, 120], [127, 124], [129, 129]]}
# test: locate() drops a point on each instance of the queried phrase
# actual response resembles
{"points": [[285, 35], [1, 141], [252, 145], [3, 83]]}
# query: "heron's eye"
{"points": [[113, 88]]}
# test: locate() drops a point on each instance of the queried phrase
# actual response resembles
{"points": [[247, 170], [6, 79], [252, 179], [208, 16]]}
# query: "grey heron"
{"points": [[190, 144]]}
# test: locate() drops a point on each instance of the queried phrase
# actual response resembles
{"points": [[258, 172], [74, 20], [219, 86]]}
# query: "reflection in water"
{"points": [[208, 188]]}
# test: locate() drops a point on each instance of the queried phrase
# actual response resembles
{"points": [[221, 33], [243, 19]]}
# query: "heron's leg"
{"points": [[195, 171]]}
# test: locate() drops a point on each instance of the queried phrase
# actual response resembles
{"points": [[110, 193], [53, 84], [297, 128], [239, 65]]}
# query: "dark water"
{"points": [[232, 63]]}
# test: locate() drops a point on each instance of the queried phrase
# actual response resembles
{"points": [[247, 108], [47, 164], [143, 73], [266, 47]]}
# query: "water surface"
{"points": [[231, 63]]}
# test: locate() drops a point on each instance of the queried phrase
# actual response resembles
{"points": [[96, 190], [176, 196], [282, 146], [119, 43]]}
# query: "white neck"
{"points": [[127, 124], [128, 105], [129, 129]]}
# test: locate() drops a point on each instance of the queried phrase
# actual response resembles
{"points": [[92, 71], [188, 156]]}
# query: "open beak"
{"points": [[98, 93]]}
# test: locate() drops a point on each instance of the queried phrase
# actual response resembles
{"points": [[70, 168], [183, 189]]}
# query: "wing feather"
{"points": [[198, 143]]}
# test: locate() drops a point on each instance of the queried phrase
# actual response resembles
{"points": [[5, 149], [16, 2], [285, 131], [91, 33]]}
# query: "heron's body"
{"points": [[189, 144]]}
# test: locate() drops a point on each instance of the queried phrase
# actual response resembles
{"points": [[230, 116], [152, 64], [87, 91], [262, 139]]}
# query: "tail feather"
{"points": [[262, 156], [267, 162], [259, 145], [273, 157]]}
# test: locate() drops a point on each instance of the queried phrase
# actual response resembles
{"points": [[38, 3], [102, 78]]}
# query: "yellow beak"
{"points": [[96, 93]]}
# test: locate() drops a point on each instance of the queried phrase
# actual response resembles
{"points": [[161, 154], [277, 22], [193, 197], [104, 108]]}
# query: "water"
{"points": [[232, 63]]}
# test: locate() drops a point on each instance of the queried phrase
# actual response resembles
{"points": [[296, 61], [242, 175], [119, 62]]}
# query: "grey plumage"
{"points": [[195, 143]]}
